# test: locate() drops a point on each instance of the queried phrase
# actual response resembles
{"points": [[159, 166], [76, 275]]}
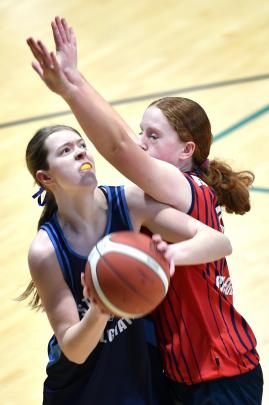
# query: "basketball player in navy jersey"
{"points": [[94, 358], [208, 349]]}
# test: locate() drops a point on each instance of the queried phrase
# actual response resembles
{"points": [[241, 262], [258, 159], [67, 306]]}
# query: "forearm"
{"points": [[204, 247], [100, 122], [79, 340]]}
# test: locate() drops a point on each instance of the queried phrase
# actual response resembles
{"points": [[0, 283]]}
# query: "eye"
{"points": [[65, 150], [83, 145], [153, 136]]}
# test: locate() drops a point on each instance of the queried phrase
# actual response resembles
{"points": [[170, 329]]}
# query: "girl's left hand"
{"points": [[163, 248]]}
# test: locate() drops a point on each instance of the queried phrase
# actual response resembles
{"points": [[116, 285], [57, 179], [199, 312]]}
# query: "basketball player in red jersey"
{"points": [[208, 348]]}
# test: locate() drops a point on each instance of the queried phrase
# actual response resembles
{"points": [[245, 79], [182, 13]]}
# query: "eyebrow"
{"points": [[153, 129], [63, 145], [70, 143]]}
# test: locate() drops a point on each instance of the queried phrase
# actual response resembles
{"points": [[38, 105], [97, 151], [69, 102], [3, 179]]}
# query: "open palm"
{"points": [[65, 44]]}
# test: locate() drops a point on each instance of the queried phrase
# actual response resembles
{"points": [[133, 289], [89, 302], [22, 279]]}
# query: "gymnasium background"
{"points": [[215, 52]]}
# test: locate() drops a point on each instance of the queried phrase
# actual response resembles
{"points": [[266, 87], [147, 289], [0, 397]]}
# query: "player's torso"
{"points": [[115, 360], [201, 335]]}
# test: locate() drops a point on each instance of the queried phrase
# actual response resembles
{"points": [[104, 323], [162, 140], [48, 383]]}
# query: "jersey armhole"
{"points": [[126, 209], [187, 176]]}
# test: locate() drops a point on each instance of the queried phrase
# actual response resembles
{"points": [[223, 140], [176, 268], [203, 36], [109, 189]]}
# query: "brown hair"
{"points": [[36, 159], [191, 123]]}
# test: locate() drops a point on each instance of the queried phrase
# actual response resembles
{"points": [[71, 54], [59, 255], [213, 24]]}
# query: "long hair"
{"points": [[191, 123], [36, 159]]}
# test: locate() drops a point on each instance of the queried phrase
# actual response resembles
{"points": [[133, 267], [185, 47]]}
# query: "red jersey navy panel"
{"points": [[124, 368], [202, 336]]}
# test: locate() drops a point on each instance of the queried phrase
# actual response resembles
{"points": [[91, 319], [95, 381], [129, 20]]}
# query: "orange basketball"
{"points": [[126, 275]]}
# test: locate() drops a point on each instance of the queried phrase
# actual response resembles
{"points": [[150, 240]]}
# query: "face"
{"points": [[70, 163], [158, 138]]}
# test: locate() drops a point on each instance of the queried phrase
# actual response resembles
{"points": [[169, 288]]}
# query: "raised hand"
{"points": [[65, 43], [58, 71], [47, 67]]}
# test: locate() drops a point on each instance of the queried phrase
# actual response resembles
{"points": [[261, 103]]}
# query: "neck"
{"points": [[185, 166], [81, 211]]}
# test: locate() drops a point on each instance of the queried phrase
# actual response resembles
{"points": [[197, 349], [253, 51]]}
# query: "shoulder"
{"points": [[138, 199], [141, 206], [41, 252]]}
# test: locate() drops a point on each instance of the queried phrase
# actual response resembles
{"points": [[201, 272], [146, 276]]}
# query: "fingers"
{"points": [[55, 62], [41, 54], [86, 292], [156, 237], [73, 38], [45, 54], [61, 26], [82, 278], [66, 29], [62, 33], [35, 49], [162, 248], [172, 268], [160, 245], [36, 66], [56, 35]]}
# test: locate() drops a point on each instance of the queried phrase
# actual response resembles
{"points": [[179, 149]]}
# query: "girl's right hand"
{"points": [[87, 295]]}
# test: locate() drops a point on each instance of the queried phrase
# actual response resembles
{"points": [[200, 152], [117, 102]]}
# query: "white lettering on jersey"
{"points": [[219, 214], [198, 181], [83, 307], [109, 334], [225, 285], [218, 209]]}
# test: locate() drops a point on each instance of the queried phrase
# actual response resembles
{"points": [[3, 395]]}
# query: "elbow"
{"points": [[229, 248], [78, 355], [78, 360], [75, 357]]}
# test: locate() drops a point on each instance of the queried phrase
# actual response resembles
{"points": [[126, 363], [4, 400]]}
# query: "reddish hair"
{"points": [[191, 123]]}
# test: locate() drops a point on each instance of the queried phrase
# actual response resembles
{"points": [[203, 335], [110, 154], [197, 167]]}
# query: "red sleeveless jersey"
{"points": [[201, 335]]}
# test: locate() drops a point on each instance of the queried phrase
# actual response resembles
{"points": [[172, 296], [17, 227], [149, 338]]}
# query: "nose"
{"points": [[141, 142], [80, 154]]}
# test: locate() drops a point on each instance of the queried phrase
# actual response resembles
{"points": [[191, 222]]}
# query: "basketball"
{"points": [[126, 275]]}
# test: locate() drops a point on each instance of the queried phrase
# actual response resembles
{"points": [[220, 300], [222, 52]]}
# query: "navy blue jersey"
{"points": [[124, 368]]}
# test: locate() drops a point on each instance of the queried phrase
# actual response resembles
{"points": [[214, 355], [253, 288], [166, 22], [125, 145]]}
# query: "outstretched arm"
{"points": [[198, 242], [192, 242], [102, 124]]}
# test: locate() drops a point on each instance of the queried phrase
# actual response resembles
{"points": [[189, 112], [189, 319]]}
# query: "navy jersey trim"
{"points": [[229, 333], [214, 316], [67, 244], [107, 192], [125, 208], [187, 333], [205, 206], [193, 191], [60, 254], [235, 328]]}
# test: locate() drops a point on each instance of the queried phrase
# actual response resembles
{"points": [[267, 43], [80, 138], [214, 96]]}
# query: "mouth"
{"points": [[85, 166]]}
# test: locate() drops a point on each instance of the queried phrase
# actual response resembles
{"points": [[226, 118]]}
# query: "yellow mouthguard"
{"points": [[86, 166]]}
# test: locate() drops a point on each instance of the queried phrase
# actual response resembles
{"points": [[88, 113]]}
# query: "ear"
{"points": [[188, 149], [44, 178]]}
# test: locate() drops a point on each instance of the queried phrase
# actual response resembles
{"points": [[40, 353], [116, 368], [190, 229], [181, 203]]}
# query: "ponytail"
{"points": [[49, 208], [232, 188]]}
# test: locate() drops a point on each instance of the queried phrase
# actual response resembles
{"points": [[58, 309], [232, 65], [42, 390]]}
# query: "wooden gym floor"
{"points": [[215, 52]]}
